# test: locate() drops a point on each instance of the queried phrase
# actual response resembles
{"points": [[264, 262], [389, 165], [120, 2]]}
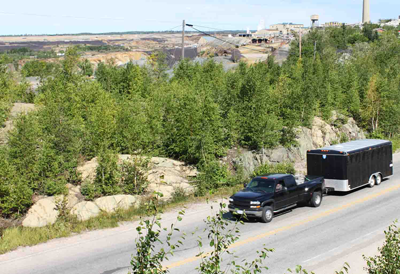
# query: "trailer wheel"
{"points": [[372, 181], [316, 199], [378, 179], [267, 214]]}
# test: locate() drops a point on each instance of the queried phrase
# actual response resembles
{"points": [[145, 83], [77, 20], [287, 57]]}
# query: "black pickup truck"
{"points": [[273, 193]]}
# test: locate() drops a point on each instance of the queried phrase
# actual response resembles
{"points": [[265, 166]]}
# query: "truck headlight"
{"points": [[306, 189], [254, 202], [255, 206], [230, 200]]}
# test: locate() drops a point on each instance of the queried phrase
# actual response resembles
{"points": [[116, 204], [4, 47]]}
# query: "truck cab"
{"points": [[269, 194]]}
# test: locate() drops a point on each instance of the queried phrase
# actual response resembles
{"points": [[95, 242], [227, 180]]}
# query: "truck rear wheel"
{"points": [[316, 199], [372, 181], [267, 214]]}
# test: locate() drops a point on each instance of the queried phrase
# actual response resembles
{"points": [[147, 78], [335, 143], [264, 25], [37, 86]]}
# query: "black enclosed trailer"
{"points": [[353, 164]]}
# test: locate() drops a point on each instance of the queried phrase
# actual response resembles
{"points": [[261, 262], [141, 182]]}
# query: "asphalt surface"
{"points": [[320, 239]]}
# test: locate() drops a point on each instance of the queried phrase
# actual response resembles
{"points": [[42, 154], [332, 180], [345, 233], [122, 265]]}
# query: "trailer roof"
{"points": [[353, 146]]}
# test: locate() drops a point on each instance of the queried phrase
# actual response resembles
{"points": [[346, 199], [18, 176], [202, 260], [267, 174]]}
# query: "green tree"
{"points": [[86, 67]]}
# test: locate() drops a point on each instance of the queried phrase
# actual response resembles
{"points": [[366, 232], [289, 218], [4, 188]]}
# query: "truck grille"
{"points": [[241, 204]]}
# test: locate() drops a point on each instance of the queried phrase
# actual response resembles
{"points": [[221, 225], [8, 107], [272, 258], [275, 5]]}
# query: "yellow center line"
{"points": [[272, 232]]}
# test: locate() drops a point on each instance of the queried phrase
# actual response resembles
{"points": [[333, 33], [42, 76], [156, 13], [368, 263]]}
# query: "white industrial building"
{"points": [[286, 28]]}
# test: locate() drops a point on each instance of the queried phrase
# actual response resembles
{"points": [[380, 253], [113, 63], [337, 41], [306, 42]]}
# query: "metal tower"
{"points": [[314, 21]]}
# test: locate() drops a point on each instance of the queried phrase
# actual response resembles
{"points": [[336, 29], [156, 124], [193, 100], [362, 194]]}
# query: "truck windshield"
{"points": [[261, 185]]}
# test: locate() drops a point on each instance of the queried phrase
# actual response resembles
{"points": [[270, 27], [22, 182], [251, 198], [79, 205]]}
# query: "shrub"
{"points": [[86, 68], [179, 195], [396, 143], [285, 168], [343, 138], [39, 68], [389, 259], [15, 198], [55, 187], [130, 177], [221, 234], [107, 174], [213, 175], [133, 175], [148, 259], [239, 177], [90, 191]]}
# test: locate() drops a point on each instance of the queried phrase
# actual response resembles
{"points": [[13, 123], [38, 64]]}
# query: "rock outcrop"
{"points": [[164, 175], [112, 203], [42, 213], [74, 195], [85, 210], [319, 135], [167, 176], [88, 170]]}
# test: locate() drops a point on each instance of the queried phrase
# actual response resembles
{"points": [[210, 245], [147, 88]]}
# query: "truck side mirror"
{"points": [[244, 185], [285, 189]]}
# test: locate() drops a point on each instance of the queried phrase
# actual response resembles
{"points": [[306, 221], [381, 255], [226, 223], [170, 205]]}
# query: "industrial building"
{"points": [[264, 33], [333, 24], [286, 28]]}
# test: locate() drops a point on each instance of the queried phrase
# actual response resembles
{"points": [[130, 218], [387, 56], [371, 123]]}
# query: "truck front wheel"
{"points": [[267, 214], [316, 199]]}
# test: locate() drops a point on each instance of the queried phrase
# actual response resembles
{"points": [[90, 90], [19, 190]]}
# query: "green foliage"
{"points": [[86, 67], [221, 234], [133, 175], [112, 177], [213, 176], [179, 195], [284, 168], [147, 260], [196, 115], [300, 270], [90, 191], [10, 90], [55, 187], [388, 261], [15, 198], [396, 143], [107, 175], [39, 68], [158, 61], [14, 55]]}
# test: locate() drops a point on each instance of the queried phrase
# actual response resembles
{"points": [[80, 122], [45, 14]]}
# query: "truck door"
{"points": [[281, 196], [293, 190]]}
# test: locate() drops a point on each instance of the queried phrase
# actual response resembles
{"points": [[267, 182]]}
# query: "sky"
{"points": [[77, 16]]}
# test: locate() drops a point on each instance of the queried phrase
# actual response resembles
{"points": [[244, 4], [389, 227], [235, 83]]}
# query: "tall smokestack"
{"points": [[366, 18]]}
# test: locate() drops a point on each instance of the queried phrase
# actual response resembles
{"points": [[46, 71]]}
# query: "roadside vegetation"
{"points": [[195, 116], [67, 225], [215, 254]]}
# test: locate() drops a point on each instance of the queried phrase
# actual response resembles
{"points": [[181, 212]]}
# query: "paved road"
{"points": [[321, 239]]}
